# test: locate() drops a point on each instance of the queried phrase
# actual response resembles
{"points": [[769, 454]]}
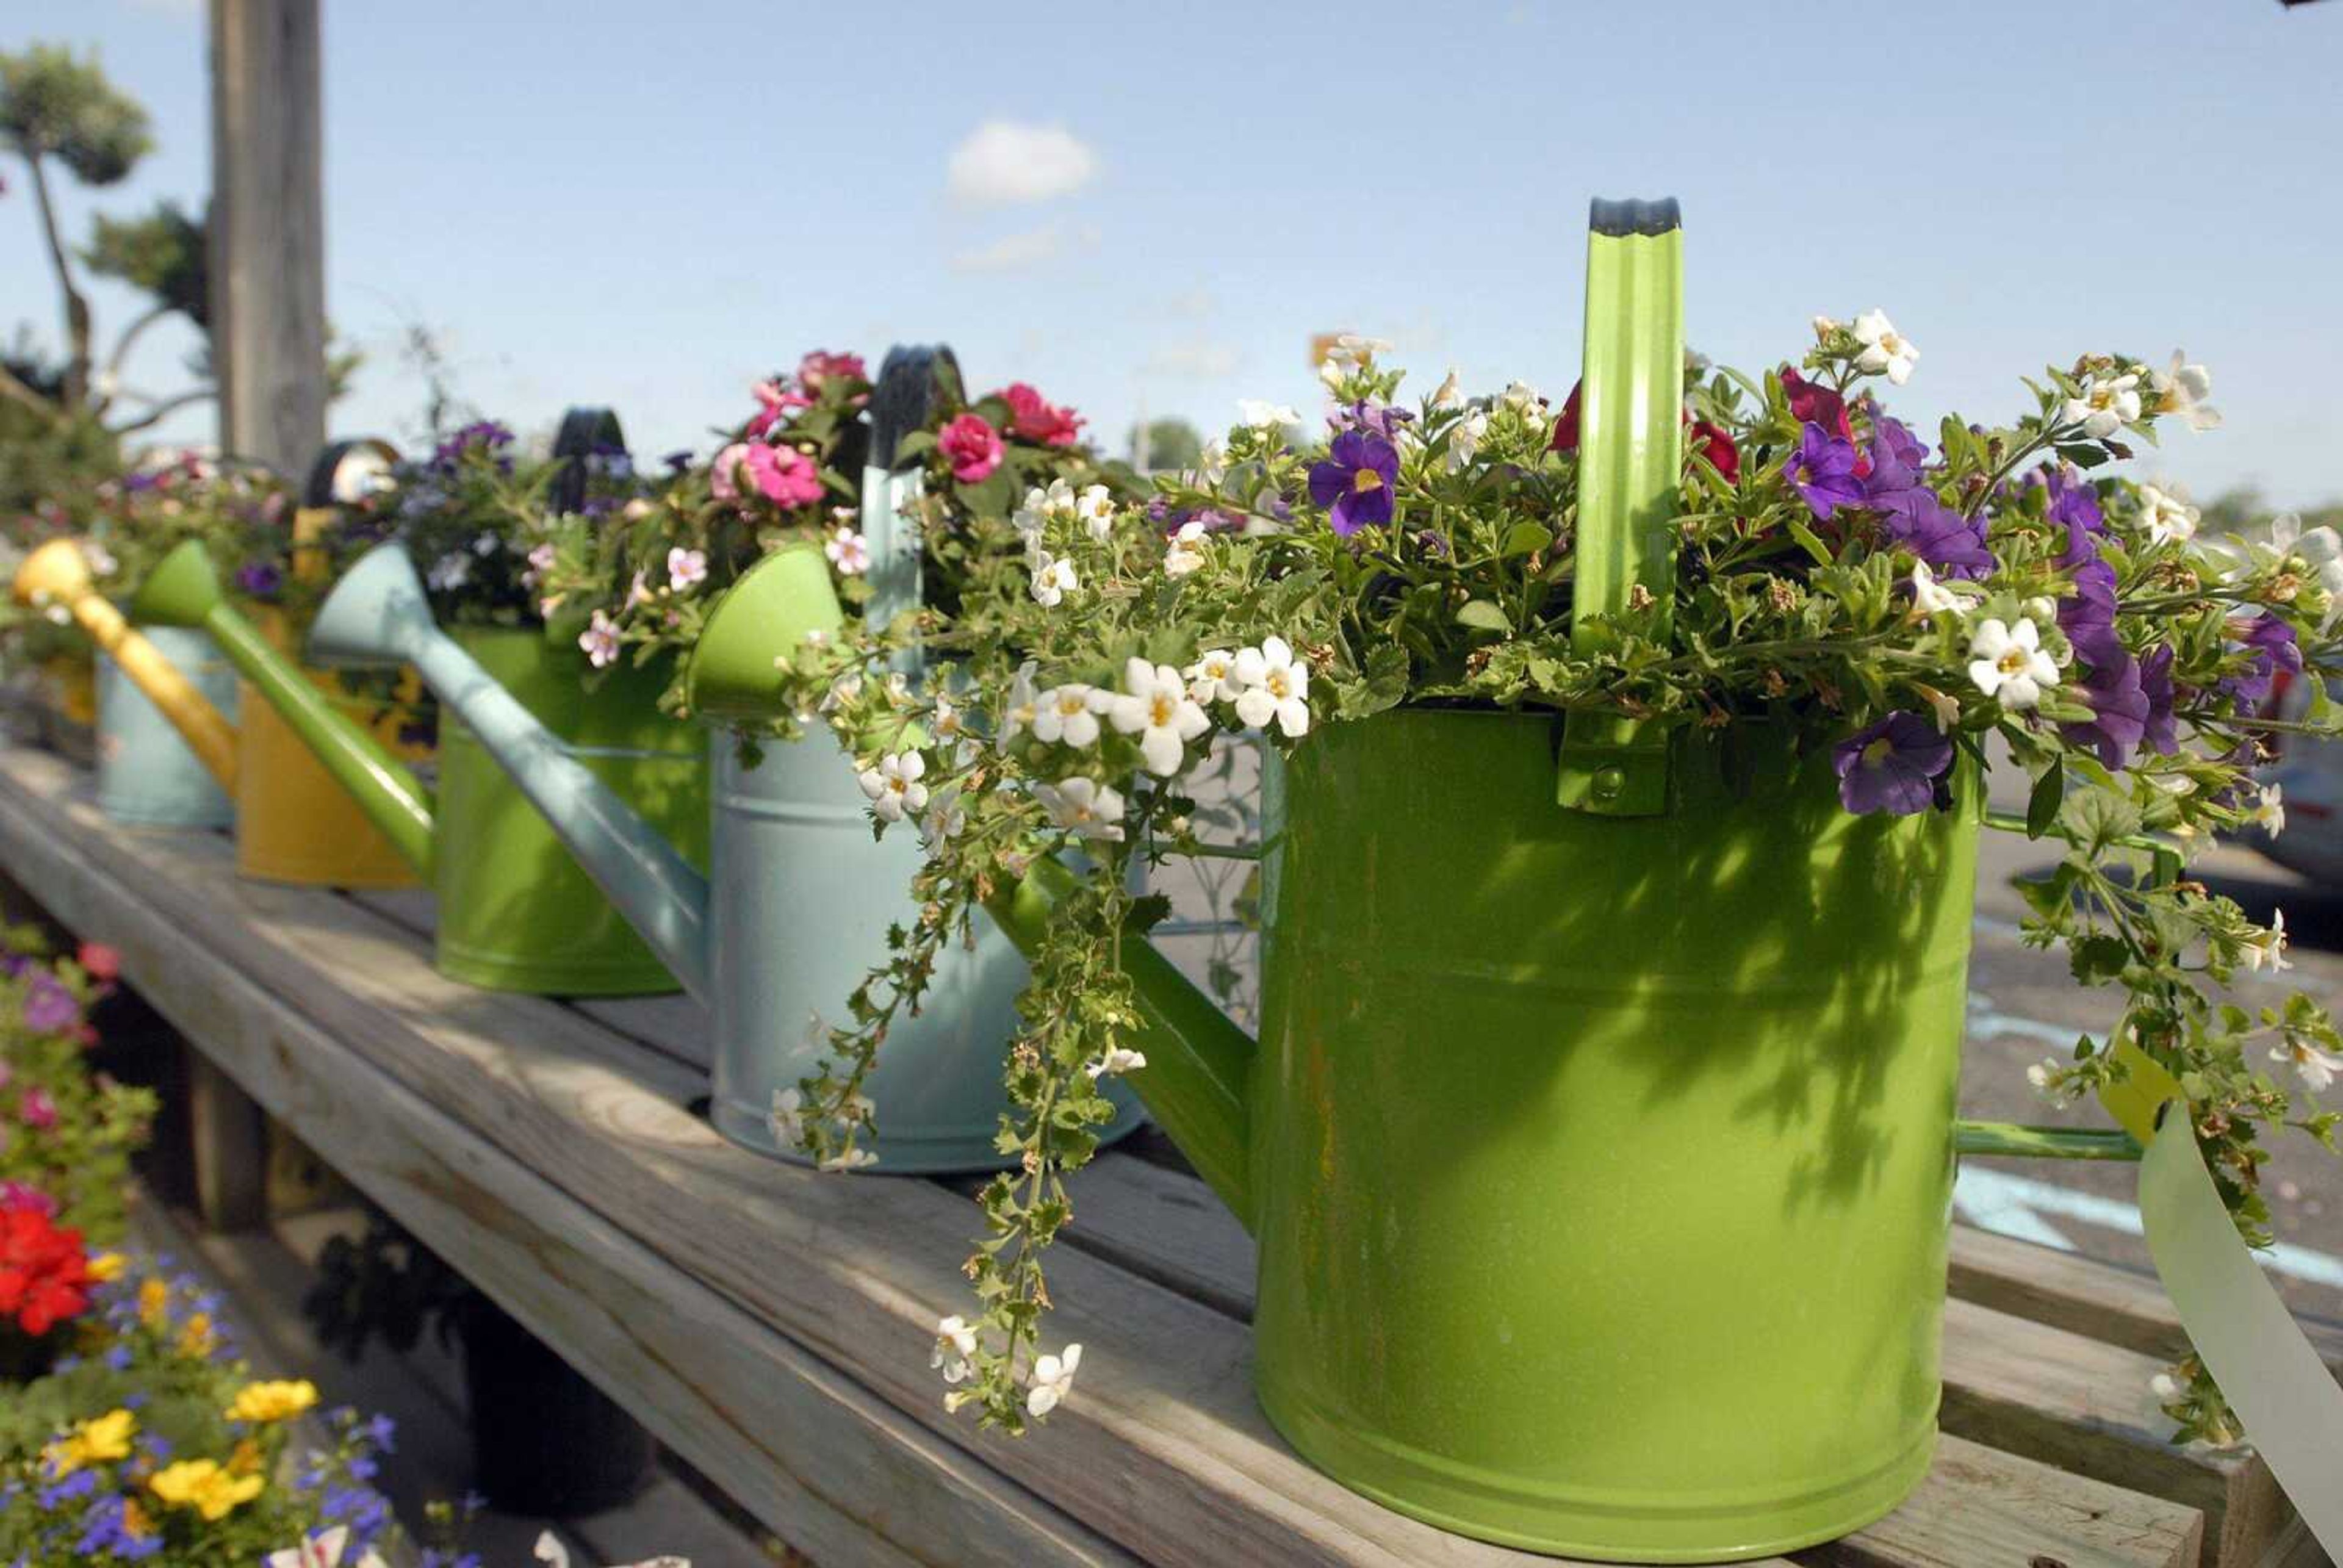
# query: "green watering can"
{"points": [[782, 928], [1599, 1153], [515, 911]]}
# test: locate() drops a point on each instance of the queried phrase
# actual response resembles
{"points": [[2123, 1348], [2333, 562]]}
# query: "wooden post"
{"points": [[268, 230], [269, 350]]}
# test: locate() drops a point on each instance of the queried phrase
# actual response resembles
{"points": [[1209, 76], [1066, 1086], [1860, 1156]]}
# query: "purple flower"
{"points": [[678, 461], [261, 579], [1378, 419], [1892, 766], [2076, 506], [2119, 711], [50, 1008], [1896, 455], [1950, 543], [2269, 642], [2159, 730], [1354, 481], [2088, 618], [1822, 470]]}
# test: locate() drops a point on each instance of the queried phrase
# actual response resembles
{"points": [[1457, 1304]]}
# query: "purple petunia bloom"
{"points": [[1890, 767], [2159, 730], [1377, 418], [1950, 543], [2074, 505], [261, 579], [1354, 481], [1822, 470], [49, 1007], [2119, 711], [1896, 455], [2270, 643], [2088, 618]]}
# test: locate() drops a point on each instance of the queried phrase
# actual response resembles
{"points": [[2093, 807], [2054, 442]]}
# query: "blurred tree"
{"points": [[1166, 444]]}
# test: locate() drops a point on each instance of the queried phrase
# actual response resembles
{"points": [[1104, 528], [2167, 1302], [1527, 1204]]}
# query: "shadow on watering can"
{"points": [[515, 911], [797, 902]]}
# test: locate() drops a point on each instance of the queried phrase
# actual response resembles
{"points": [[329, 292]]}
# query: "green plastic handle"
{"points": [[1630, 463]]}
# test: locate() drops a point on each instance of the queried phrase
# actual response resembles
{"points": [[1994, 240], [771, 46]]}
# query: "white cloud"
{"points": [[1004, 163], [1197, 358]]}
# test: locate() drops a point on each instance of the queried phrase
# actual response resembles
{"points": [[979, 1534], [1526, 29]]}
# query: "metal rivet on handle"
{"points": [[1607, 782]]}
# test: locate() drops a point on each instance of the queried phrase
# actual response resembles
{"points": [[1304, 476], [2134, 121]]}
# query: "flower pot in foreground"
{"points": [[147, 775]]}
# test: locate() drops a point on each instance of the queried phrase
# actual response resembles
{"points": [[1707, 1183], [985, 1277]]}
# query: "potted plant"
{"points": [[1621, 853], [66, 1132], [545, 1440]]}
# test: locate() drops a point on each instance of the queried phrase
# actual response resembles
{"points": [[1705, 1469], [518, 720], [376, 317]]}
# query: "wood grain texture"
{"points": [[230, 1140], [554, 1159]]}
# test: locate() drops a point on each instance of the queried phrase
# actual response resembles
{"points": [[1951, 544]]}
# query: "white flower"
{"points": [[2316, 1067], [2166, 511], [2269, 813], [1930, 596], [638, 592], [2181, 388], [856, 1158], [1182, 557], [1944, 710], [849, 551], [2166, 1388], [2321, 550], [450, 571], [955, 1345], [549, 1550], [601, 640], [1054, 579], [2046, 1076], [1095, 507], [1885, 352], [1447, 395], [894, 787], [1091, 810], [686, 569], [846, 688], [1155, 707], [1824, 327], [1465, 438], [486, 544], [1275, 687], [1024, 705], [101, 561], [1331, 374], [323, 1549], [786, 1117], [2268, 948], [2007, 662], [540, 561], [1068, 715], [1261, 416], [1121, 1059], [1213, 462], [944, 819], [1523, 398], [1214, 677], [1053, 1380], [2103, 407]]}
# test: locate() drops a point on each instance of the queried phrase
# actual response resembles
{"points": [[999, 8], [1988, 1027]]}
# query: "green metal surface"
{"points": [[517, 911]]}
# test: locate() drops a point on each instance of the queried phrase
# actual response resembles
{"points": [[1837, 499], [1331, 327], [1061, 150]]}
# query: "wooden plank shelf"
{"points": [[773, 1325]]}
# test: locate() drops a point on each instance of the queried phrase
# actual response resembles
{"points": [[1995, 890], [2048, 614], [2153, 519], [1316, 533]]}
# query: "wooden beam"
{"points": [[268, 230]]}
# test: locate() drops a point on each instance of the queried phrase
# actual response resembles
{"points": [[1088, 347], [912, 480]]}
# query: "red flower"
{"points": [[102, 961], [43, 1271], [1032, 418], [1816, 404], [1711, 441], [971, 447]]}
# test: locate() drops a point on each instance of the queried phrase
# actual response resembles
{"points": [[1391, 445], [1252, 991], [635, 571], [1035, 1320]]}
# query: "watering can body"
{"points": [[1602, 1198], [147, 775]]}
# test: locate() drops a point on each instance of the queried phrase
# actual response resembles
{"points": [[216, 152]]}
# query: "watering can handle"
{"points": [[913, 379], [321, 499], [1630, 466], [585, 430]]}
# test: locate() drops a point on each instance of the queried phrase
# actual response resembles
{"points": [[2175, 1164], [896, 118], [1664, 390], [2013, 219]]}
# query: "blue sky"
{"points": [[651, 206]]}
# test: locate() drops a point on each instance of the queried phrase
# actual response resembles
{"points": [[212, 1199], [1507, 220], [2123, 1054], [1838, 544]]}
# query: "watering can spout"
{"points": [[59, 573], [1199, 1064], [184, 589], [378, 615]]}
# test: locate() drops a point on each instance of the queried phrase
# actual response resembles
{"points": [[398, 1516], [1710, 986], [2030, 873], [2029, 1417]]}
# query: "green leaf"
{"points": [[2042, 806], [2096, 960], [1807, 541], [1525, 539], [1484, 616]]}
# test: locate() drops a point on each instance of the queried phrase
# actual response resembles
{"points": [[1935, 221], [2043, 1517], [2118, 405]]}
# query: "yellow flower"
{"points": [[97, 1441], [272, 1401], [201, 1484], [196, 1340], [153, 1300], [108, 1266], [246, 1460]]}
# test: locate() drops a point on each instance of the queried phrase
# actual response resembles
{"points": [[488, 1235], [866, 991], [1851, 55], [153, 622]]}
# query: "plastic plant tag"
{"points": [[2291, 1404]]}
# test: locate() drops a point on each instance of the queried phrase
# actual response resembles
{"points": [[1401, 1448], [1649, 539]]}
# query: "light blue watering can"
{"points": [[796, 908]]}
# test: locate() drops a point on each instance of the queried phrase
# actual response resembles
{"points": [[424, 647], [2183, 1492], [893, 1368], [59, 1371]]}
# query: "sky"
{"points": [[1154, 210]]}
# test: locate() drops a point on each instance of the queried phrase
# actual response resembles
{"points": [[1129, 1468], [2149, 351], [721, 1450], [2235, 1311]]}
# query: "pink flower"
{"points": [[776, 400], [820, 365], [1034, 419], [972, 445], [15, 1196], [787, 477], [35, 1108], [102, 962], [719, 474]]}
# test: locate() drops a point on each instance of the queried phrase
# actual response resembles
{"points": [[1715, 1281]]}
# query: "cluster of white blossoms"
{"points": [[2103, 405], [785, 1118], [2167, 513], [1263, 683], [1885, 352], [894, 786], [1054, 1375], [2009, 663], [1053, 576]]}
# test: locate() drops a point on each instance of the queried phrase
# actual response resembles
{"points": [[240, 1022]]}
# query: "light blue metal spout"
{"points": [[378, 616]]}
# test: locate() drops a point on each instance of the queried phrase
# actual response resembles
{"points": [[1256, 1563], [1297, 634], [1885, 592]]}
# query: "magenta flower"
{"points": [[972, 447], [35, 1108], [1822, 470], [1890, 767], [49, 1007], [822, 364], [785, 477], [1354, 481], [1033, 418], [15, 1197]]}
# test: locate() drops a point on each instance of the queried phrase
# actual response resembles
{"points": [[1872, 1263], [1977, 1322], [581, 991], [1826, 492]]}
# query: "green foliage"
{"points": [[65, 1132], [163, 253], [54, 105]]}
